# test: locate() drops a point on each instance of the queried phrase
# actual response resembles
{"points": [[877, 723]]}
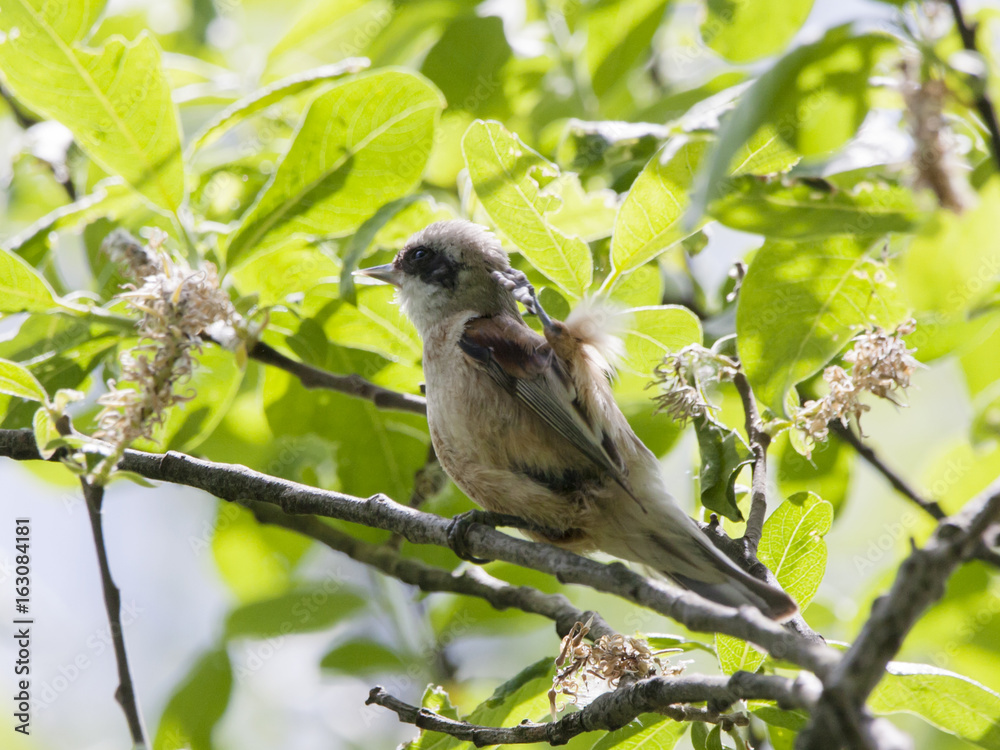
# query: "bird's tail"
{"points": [[742, 588], [689, 559]]}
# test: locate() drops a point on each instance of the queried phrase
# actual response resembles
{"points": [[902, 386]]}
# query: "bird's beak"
{"points": [[387, 273]]}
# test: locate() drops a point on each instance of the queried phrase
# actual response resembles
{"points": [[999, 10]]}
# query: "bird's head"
{"points": [[446, 268]]}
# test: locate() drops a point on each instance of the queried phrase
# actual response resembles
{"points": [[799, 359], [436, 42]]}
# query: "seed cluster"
{"points": [[880, 364], [176, 305], [582, 667]]}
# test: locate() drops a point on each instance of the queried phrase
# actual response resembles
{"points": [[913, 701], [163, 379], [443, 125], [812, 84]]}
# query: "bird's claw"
{"points": [[460, 525], [516, 282], [458, 529]]}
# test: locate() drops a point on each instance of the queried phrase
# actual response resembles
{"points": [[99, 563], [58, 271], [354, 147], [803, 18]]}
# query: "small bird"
{"points": [[527, 425]]}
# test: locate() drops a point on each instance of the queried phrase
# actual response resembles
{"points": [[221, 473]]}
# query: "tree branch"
{"points": [[471, 582], [759, 442], [982, 552], [237, 484], [125, 694], [352, 385], [846, 434], [615, 709], [919, 582], [983, 102]]}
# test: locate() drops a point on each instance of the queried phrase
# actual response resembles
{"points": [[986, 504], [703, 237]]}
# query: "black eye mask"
{"points": [[430, 266]]}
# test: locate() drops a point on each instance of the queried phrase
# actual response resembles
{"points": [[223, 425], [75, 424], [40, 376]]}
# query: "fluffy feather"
{"points": [[600, 324]]}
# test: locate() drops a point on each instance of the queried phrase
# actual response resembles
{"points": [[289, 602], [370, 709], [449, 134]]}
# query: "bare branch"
{"points": [[899, 484], [238, 484], [125, 694], [759, 442], [470, 582], [983, 102], [616, 709], [352, 385], [919, 582], [982, 552]]}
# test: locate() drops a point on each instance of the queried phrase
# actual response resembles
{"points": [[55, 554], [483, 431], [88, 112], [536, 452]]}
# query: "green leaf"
{"points": [[255, 560], [18, 381], [329, 31], [618, 32], [792, 547], [511, 181], [374, 324], [62, 352], [816, 97], [946, 273], [313, 607], [743, 32], [110, 197], [645, 732], [649, 220], [792, 544], [799, 305], [21, 287], [374, 450], [45, 432], [764, 154], [657, 642], [197, 705], [285, 271], [651, 333], [948, 701], [360, 145], [524, 696], [723, 454], [361, 241], [115, 99], [362, 657], [643, 287], [796, 209], [466, 64], [827, 473], [265, 97]]}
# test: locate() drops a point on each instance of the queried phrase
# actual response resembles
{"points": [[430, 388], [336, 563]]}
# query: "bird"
{"points": [[526, 424]]}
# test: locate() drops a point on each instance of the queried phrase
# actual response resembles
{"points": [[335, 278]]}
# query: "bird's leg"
{"points": [[517, 283], [463, 522]]}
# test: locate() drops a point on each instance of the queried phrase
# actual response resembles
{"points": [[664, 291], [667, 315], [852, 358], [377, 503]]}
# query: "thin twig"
{"points": [[983, 550], [238, 484], [26, 121], [759, 442], [736, 550], [919, 582], [125, 694], [899, 484], [471, 582], [429, 481], [352, 385], [983, 102], [19, 115], [615, 709]]}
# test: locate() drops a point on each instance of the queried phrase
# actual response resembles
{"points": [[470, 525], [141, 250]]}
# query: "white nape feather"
{"points": [[600, 324]]}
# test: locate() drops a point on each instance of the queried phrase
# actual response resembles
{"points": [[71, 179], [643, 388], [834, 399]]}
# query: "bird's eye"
{"points": [[419, 254]]}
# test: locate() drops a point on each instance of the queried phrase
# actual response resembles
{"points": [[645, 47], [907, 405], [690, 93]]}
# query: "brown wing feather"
{"points": [[521, 352], [524, 363]]}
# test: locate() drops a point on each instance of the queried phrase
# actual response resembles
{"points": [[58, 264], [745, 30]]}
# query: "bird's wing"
{"points": [[523, 363]]}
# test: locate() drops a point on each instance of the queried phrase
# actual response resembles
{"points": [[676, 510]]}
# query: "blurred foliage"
{"points": [[607, 142]]}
